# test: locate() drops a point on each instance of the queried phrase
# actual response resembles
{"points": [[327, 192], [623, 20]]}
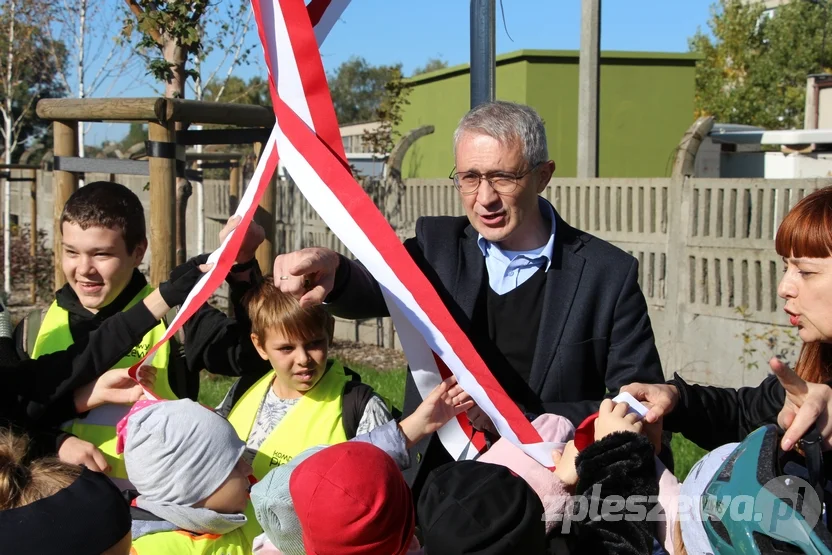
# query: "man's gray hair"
{"points": [[508, 122]]}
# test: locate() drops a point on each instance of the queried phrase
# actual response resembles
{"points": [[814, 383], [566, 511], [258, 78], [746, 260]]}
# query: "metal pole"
{"points": [[588, 88], [483, 51], [200, 203], [33, 234]]}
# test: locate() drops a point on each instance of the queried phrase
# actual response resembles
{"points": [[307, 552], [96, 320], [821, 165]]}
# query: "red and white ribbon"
{"points": [[310, 147], [326, 12], [307, 136]]}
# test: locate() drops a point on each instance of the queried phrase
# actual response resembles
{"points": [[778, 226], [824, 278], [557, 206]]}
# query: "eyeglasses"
{"points": [[467, 183]]}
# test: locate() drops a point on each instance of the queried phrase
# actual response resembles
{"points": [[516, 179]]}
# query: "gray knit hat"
{"points": [[179, 452], [275, 509]]}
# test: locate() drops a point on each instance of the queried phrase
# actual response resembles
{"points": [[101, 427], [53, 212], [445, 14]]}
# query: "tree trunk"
{"points": [[7, 192], [176, 55]]}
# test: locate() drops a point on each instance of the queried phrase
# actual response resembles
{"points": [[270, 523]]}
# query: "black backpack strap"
{"points": [[242, 385], [353, 402]]}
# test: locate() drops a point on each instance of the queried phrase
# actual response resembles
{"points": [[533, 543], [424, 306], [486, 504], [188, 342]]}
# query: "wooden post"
{"points": [[265, 217], [33, 234], [234, 187], [162, 206], [64, 184]]}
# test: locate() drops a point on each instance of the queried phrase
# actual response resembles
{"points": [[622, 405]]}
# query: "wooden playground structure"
{"points": [[167, 121]]}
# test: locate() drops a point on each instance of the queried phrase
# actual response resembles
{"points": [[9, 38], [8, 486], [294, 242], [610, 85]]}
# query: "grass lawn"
{"points": [[390, 384]]}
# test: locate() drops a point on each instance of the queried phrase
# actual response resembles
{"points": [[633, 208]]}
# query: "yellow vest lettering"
{"points": [[316, 420], [99, 426]]}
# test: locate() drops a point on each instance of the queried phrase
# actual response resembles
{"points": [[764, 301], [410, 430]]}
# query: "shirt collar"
{"points": [[548, 211]]}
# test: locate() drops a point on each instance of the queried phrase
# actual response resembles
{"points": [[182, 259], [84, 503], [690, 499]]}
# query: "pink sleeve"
{"points": [[669, 488]]}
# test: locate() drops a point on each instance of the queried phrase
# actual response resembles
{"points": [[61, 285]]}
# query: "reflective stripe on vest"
{"points": [[99, 426], [238, 542], [315, 420]]}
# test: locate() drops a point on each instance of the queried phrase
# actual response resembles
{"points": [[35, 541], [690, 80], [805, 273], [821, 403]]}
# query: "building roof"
{"points": [[570, 56]]}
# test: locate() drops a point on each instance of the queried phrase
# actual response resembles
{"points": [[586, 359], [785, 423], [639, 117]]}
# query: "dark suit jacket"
{"points": [[594, 334]]}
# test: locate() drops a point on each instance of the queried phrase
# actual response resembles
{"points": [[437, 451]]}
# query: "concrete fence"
{"points": [[705, 248]]}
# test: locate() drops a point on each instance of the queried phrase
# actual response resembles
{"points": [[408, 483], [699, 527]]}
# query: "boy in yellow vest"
{"points": [[103, 243], [307, 400]]}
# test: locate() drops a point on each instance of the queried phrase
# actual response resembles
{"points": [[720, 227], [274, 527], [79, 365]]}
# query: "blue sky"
{"points": [[411, 32]]}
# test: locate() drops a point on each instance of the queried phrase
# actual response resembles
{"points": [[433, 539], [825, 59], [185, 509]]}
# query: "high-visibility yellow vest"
{"points": [[179, 542], [99, 426], [316, 419]]}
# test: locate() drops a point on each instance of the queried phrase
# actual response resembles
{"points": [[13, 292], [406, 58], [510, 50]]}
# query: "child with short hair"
{"points": [[306, 399]]}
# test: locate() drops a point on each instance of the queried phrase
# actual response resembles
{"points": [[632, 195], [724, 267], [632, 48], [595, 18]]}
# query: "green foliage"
{"points": [[389, 114], [164, 22], [358, 89], [433, 64], [754, 69], [234, 89]]}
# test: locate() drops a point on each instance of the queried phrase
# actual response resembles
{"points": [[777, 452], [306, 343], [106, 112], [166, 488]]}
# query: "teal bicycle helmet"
{"points": [[751, 506]]}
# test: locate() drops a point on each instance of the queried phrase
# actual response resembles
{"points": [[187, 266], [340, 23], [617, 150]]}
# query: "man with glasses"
{"points": [[556, 313]]}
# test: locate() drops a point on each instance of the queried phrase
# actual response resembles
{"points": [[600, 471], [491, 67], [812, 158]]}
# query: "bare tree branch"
{"points": [[238, 49]]}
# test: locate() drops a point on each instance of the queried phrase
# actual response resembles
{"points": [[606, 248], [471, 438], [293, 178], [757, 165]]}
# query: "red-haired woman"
{"points": [[713, 416], [804, 240]]}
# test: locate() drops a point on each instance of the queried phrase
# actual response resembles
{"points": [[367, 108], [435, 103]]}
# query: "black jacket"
{"points": [[713, 416], [36, 395], [594, 334], [212, 341], [621, 465]]}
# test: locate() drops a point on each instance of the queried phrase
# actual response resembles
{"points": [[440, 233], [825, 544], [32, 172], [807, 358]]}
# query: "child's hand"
{"points": [[613, 417], [80, 452], [445, 402], [565, 465], [113, 386]]}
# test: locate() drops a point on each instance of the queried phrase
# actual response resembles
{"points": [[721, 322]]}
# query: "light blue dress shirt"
{"points": [[508, 270]]}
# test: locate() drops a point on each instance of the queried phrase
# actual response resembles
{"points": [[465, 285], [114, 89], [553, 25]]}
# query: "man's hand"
{"points": [[613, 417], [255, 235], [654, 434], [80, 452], [446, 401], [308, 274], [565, 465], [806, 404], [115, 387], [661, 399]]}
